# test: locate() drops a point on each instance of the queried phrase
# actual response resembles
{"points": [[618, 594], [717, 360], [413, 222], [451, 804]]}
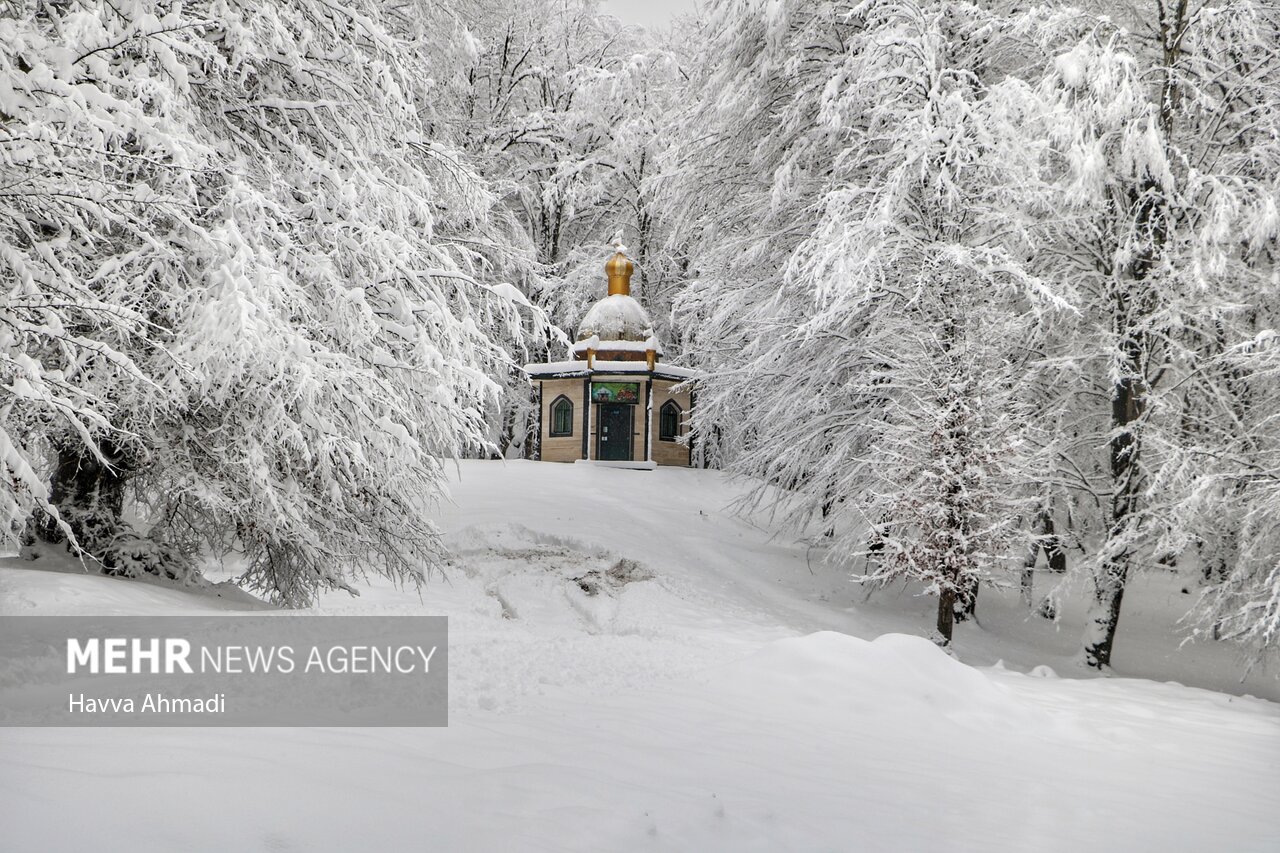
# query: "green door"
{"points": [[613, 436]]}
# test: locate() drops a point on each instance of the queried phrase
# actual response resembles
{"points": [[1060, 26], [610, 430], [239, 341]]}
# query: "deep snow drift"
{"points": [[632, 668]]}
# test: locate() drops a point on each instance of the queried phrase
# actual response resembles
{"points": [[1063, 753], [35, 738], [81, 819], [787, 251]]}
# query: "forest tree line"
{"points": [[977, 288]]}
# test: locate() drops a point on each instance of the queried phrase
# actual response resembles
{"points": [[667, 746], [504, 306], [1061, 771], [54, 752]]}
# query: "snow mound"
{"points": [[856, 676], [57, 584]]}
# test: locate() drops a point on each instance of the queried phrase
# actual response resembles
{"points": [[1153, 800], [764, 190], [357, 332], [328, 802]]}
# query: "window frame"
{"points": [[551, 410], [678, 411]]}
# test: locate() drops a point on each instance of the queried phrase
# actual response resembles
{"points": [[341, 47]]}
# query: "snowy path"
{"points": [[687, 705]]}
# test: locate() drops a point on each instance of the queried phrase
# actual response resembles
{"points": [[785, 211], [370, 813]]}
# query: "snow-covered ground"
{"points": [[634, 668]]}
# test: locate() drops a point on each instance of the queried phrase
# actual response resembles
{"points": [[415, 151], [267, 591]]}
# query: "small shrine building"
{"points": [[615, 402]]}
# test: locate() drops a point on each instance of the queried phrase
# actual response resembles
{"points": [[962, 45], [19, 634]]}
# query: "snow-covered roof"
{"points": [[594, 342], [579, 368], [616, 318]]}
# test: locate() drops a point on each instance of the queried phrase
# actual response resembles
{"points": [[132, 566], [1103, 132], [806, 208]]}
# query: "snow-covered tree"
{"points": [[746, 182], [881, 383], [1231, 513], [1163, 142], [248, 282]]}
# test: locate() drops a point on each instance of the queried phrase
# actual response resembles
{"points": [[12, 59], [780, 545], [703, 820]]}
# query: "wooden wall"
{"points": [[669, 452], [569, 448]]}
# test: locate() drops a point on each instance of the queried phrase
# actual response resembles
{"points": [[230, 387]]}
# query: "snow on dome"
{"points": [[616, 318]]}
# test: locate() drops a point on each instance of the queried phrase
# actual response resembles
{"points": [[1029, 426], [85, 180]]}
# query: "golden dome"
{"points": [[619, 269]]}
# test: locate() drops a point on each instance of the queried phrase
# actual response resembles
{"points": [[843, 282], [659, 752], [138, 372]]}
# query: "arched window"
{"points": [[669, 421], [561, 416]]}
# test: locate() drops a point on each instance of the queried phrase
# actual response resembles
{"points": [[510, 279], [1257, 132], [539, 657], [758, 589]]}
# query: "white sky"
{"points": [[648, 13]]}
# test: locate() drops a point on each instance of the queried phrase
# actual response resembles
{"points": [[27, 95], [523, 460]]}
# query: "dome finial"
{"points": [[619, 268]]}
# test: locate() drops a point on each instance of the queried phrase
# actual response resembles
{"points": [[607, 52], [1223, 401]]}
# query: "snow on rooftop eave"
{"points": [[555, 369], [598, 345], [671, 371]]}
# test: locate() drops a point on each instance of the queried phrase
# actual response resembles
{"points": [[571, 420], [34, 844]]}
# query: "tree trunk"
{"points": [[1027, 579], [89, 496], [1056, 558], [1126, 407], [946, 616], [966, 598], [1104, 616], [1053, 550]]}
